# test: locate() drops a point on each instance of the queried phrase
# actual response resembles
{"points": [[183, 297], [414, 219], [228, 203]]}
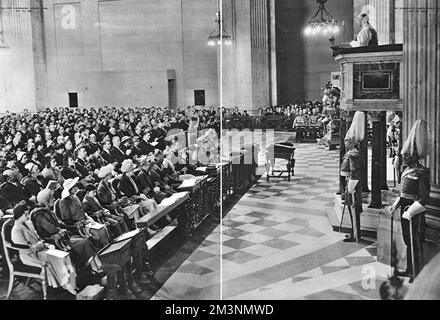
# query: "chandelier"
{"points": [[219, 34], [322, 22]]}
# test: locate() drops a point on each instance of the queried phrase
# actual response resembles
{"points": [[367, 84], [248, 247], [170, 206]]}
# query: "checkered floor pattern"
{"points": [[277, 243]]}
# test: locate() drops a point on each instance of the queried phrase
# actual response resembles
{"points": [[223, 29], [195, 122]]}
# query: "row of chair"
{"points": [[236, 177]]}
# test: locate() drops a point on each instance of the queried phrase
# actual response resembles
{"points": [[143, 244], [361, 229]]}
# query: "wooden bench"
{"points": [[168, 204]]}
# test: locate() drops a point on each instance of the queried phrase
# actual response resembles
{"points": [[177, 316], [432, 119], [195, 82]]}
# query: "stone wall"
{"points": [[21, 29], [109, 52]]}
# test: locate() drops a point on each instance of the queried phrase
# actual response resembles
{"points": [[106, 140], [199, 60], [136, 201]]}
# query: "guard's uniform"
{"points": [[351, 168], [415, 187]]}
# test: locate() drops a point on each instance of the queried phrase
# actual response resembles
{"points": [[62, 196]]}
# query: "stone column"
{"points": [[422, 75], [422, 95], [382, 18], [383, 150], [260, 30], [376, 193], [23, 73], [342, 133], [249, 65], [273, 54], [364, 152]]}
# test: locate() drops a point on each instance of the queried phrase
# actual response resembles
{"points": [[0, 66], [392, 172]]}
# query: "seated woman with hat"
{"points": [[53, 230], [106, 196], [92, 206], [60, 271], [127, 186], [72, 213], [30, 182]]}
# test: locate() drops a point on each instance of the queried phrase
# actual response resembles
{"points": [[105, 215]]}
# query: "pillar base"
{"points": [[377, 205]]}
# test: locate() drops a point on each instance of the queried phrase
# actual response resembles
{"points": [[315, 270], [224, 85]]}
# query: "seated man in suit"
{"points": [[81, 163], [106, 152], [136, 150], [117, 154], [145, 145]]}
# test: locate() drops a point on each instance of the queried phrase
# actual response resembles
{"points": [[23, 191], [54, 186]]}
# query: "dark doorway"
{"points": [[199, 97], [172, 93], [73, 99]]}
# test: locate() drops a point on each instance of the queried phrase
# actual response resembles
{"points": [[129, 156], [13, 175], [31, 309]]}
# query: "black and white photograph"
{"points": [[235, 151]]}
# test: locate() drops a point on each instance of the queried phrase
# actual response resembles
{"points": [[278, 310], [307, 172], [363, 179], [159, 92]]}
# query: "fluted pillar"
{"points": [[23, 74], [382, 18], [342, 132], [249, 65], [376, 171], [422, 75], [383, 150], [364, 153], [273, 55], [260, 30]]}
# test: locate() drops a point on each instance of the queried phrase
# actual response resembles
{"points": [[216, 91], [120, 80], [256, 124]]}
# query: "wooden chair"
{"points": [[17, 268]]}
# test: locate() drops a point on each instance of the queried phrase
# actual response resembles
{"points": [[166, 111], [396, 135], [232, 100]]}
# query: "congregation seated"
{"points": [[87, 175], [307, 118]]}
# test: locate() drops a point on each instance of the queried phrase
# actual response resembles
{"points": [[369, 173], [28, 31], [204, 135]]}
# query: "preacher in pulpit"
{"points": [[367, 36]]}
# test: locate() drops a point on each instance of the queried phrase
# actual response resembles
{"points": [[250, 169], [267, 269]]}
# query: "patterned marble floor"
{"points": [[277, 243]]}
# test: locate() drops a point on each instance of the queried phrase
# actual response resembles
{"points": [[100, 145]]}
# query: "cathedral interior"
{"points": [[219, 150]]}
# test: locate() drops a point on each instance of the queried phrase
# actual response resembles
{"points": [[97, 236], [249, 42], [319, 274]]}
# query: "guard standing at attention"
{"points": [[415, 189], [351, 169]]}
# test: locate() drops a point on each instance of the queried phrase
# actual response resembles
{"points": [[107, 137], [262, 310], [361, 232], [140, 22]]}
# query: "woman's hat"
{"points": [[127, 166], [124, 139], [20, 209], [67, 185], [105, 171], [29, 166], [20, 155], [44, 195], [9, 173]]}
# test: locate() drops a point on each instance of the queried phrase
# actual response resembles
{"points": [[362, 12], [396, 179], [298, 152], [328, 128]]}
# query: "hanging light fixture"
{"points": [[322, 22], [219, 34]]}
